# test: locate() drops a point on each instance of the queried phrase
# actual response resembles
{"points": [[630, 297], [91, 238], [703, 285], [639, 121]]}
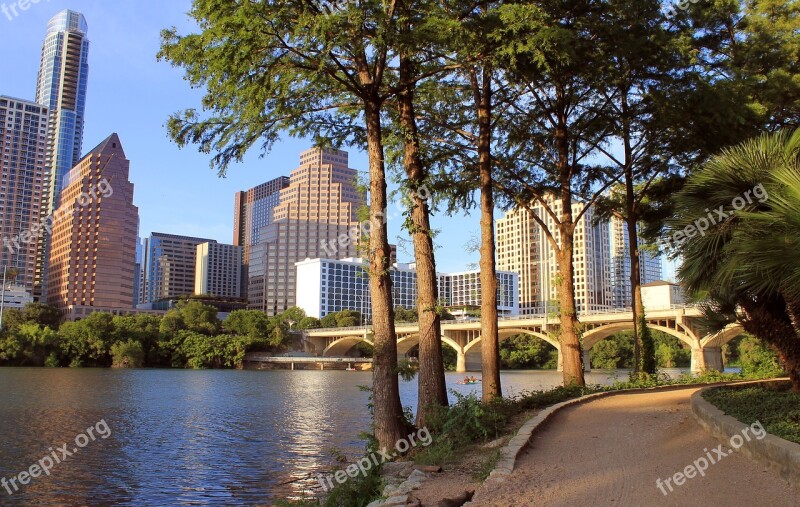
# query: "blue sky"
{"points": [[132, 94]]}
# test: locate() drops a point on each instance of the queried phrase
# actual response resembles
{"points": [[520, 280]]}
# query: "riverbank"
{"points": [[467, 441]]}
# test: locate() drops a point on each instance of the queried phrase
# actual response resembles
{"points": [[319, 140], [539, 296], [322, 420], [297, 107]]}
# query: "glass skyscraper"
{"points": [[61, 87]]}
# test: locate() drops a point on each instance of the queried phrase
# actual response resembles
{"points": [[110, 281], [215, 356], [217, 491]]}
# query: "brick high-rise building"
{"points": [[93, 247], [314, 211], [24, 161], [522, 247]]}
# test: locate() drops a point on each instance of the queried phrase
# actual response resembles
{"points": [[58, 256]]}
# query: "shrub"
{"points": [[127, 354]]}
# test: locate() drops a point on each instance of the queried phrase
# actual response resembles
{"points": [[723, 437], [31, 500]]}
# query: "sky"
{"points": [[133, 94]]}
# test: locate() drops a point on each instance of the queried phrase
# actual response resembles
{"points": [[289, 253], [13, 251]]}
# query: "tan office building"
{"points": [[24, 161], [314, 218], [218, 270], [93, 247], [523, 247]]}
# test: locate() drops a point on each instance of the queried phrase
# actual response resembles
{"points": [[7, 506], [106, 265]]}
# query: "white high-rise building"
{"points": [[649, 265], [523, 247]]}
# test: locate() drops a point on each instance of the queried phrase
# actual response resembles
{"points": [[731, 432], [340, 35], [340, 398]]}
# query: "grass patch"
{"points": [[777, 408], [487, 465]]}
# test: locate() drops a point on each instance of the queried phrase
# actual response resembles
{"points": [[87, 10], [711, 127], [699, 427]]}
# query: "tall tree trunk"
{"points": [[490, 335], [631, 221], [571, 350], [570, 341], [633, 255], [432, 389], [389, 421]]}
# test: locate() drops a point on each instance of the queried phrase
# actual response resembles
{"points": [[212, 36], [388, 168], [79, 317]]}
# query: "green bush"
{"points": [[127, 354], [527, 352], [756, 358]]}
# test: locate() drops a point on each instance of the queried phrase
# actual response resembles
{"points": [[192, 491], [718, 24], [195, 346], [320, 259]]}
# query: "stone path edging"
{"points": [[779, 455], [511, 451]]}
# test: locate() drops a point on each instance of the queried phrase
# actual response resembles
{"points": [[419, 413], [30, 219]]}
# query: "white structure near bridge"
{"points": [[325, 286], [682, 322]]}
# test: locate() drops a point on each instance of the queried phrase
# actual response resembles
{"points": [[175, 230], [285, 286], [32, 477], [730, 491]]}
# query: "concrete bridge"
{"points": [[682, 322]]}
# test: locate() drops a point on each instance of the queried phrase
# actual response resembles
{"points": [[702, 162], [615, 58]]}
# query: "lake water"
{"points": [[185, 437]]}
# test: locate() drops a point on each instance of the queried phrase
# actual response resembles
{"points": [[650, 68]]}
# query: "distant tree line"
{"points": [[187, 336], [524, 352]]}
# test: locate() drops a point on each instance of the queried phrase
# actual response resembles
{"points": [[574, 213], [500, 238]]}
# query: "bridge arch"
{"points": [[508, 333], [342, 345], [410, 341], [719, 339], [598, 334]]}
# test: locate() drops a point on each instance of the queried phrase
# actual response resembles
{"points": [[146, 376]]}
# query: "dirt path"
{"points": [[611, 451]]}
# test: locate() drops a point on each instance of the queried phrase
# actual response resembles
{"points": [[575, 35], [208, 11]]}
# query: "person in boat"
{"points": [[466, 380]]}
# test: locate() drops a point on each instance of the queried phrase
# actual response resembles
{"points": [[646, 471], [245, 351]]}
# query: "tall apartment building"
{"points": [[317, 207], [522, 247], [24, 159], [61, 87], [168, 266], [93, 249], [252, 212], [218, 270], [649, 265], [326, 286]]}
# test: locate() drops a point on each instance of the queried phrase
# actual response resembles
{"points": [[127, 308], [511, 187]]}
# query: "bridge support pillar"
{"points": [[713, 358], [698, 361], [560, 361], [587, 361], [461, 361]]}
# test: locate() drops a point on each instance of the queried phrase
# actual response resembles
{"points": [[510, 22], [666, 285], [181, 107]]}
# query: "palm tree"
{"points": [[747, 261]]}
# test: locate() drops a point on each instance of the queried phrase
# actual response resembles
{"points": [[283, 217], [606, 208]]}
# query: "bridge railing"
{"points": [[503, 318], [266, 358]]}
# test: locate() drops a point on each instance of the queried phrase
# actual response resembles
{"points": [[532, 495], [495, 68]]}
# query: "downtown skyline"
{"points": [[131, 93]]}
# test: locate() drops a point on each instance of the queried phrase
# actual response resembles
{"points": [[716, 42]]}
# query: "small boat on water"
{"points": [[468, 381], [351, 369]]}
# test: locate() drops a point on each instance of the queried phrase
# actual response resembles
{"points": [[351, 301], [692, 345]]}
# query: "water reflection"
{"points": [[193, 437]]}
